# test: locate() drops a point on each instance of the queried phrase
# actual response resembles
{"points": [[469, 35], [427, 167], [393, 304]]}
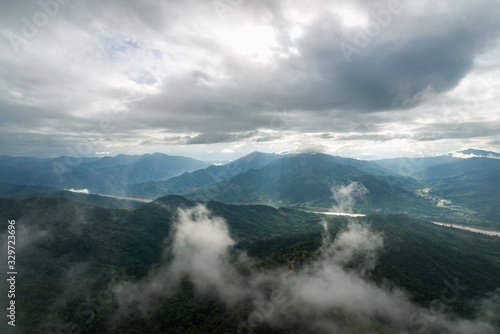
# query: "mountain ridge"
{"points": [[104, 175], [306, 181]]}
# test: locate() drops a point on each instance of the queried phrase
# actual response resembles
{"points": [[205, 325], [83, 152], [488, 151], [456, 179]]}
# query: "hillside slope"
{"points": [[308, 181], [79, 263], [190, 181], [104, 175]]}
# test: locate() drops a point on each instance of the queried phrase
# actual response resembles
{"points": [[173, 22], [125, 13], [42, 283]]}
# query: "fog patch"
{"points": [[25, 237], [28, 235], [330, 292], [346, 196], [198, 249]]}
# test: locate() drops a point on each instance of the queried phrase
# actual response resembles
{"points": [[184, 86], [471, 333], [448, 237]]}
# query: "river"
{"points": [[144, 200], [462, 227], [467, 228], [339, 214]]}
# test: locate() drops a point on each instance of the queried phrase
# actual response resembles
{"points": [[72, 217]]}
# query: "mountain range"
{"points": [[104, 175], [447, 188], [307, 180], [190, 181], [248, 246]]}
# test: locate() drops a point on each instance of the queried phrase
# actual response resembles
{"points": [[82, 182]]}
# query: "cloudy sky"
{"points": [[219, 79]]}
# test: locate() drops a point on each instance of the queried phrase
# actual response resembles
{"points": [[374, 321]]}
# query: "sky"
{"points": [[216, 80]]}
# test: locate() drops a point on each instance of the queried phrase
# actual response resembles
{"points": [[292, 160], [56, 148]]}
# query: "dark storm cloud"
{"points": [[223, 75], [410, 55], [391, 70]]}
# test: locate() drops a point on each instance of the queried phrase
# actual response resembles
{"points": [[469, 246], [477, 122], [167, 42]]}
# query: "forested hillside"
{"points": [[173, 266]]}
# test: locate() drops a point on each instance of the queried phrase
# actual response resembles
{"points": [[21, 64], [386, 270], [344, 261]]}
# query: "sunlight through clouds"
{"points": [[413, 70]]}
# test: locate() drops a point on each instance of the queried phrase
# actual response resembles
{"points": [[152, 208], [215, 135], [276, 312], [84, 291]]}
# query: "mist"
{"points": [[329, 292], [199, 250], [346, 196]]}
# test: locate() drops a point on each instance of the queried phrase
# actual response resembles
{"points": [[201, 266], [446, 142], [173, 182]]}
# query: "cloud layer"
{"points": [[133, 77]]}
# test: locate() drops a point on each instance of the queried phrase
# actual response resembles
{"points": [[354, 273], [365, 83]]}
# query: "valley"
{"points": [[143, 200], [290, 232], [346, 214], [467, 228]]}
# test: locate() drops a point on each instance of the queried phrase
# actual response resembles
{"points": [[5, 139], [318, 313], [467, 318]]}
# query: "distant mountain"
{"points": [[191, 181], [26, 170], [7, 160], [306, 180], [414, 185], [473, 183], [413, 166], [19, 191], [104, 175], [458, 167]]}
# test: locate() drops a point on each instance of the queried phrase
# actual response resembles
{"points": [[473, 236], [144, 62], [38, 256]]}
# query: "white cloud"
{"points": [[155, 67], [79, 191]]}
